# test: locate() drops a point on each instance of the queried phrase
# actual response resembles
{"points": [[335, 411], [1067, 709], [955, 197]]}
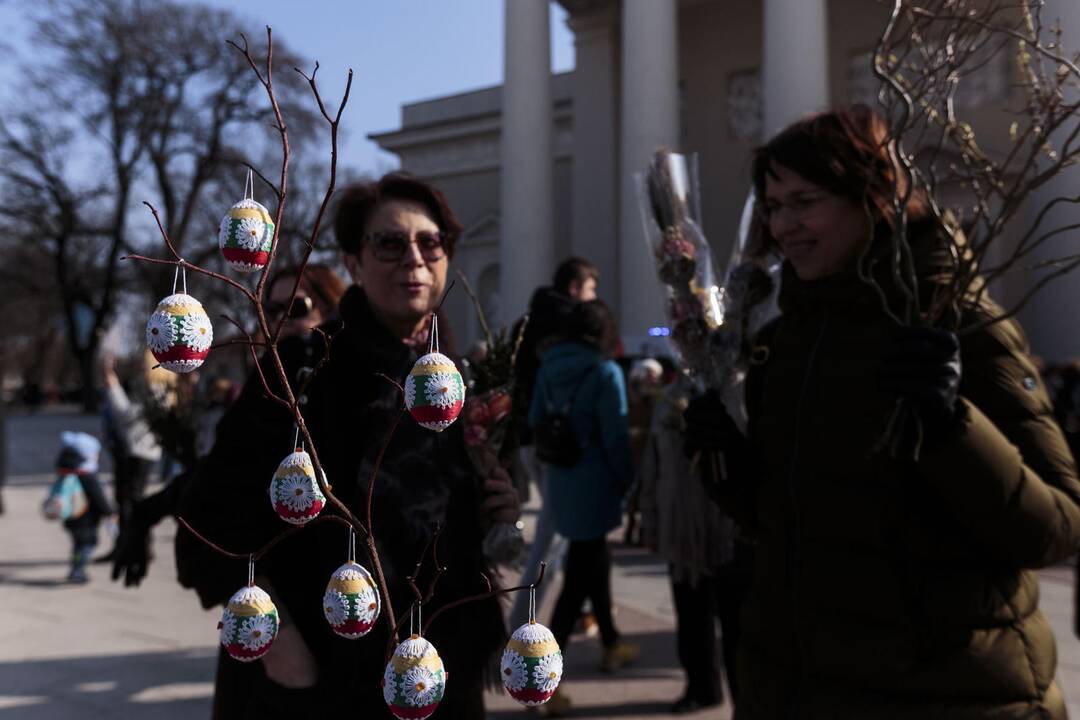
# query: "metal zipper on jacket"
{"points": [[793, 534]]}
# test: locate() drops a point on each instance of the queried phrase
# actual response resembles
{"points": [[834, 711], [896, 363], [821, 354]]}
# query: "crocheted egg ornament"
{"points": [[294, 492], [531, 664], [249, 624], [434, 392], [246, 236], [179, 333], [352, 601], [414, 680]]}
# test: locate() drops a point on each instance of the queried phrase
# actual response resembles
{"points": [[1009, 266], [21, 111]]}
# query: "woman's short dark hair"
{"points": [[357, 202], [846, 152], [571, 270], [593, 323]]}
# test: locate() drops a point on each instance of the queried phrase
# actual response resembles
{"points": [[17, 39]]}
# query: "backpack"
{"points": [[555, 438], [66, 499]]}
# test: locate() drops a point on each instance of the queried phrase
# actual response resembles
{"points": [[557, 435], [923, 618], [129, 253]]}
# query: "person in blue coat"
{"points": [[578, 377]]}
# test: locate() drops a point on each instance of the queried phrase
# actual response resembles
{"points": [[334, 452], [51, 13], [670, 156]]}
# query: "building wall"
{"points": [[719, 45], [474, 198], [455, 140]]}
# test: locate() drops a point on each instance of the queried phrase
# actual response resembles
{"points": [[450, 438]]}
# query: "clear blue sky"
{"points": [[400, 51]]}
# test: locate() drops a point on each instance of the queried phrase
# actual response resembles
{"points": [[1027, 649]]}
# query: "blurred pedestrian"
{"points": [[709, 564], [580, 389], [317, 296], [645, 383], [132, 442], [77, 499], [318, 293], [575, 281]]}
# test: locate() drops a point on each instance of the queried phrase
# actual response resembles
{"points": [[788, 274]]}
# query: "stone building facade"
{"points": [[542, 167]]}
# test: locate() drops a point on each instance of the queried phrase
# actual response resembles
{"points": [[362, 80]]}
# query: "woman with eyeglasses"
{"points": [[886, 585], [397, 236], [317, 297]]}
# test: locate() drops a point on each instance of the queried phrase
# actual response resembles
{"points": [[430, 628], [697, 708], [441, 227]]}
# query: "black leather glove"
{"points": [[709, 427], [923, 366], [132, 550], [710, 430]]}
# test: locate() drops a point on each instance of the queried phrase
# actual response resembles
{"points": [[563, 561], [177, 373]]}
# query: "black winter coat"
{"points": [[426, 478], [549, 312]]}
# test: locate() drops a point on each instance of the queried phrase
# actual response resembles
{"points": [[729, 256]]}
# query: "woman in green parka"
{"points": [[886, 588]]}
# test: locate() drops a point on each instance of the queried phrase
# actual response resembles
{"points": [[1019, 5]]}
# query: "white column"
{"points": [[527, 242], [1050, 317], [795, 77], [595, 200], [649, 118]]}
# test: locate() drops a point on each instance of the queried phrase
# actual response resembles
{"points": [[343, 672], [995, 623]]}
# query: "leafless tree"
{"points": [[926, 57], [130, 100], [928, 53], [277, 386]]}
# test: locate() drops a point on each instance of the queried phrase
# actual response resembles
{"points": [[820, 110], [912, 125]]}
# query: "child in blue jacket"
{"points": [[78, 457]]}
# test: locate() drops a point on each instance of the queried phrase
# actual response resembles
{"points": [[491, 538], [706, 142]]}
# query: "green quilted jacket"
{"points": [[888, 589]]}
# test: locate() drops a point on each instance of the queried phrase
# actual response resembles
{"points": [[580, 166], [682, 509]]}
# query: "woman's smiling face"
{"points": [[819, 233]]}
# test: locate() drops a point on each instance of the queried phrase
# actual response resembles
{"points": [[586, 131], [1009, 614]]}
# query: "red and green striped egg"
{"points": [[414, 680], [179, 333], [351, 603], [294, 492], [249, 624], [246, 236], [532, 664], [434, 392]]}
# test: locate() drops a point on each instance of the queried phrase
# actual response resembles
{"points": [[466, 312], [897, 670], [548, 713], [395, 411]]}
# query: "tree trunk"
{"points": [[87, 379]]}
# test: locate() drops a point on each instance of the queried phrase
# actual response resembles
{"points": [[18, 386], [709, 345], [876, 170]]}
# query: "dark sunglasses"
{"points": [[301, 308], [390, 245]]}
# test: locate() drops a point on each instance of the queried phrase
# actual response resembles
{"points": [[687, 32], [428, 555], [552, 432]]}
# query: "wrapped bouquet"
{"points": [[711, 323]]}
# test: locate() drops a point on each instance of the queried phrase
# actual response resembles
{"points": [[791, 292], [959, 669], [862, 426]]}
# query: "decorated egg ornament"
{"points": [[532, 664], [351, 603], [294, 492], [414, 680], [249, 624], [179, 333], [246, 236], [434, 391]]}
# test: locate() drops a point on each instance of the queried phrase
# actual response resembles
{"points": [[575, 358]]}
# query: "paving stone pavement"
{"points": [[103, 651]]}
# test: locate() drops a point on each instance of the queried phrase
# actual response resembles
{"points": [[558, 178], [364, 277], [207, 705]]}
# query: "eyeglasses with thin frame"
{"points": [[799, 207], [390, 245]]}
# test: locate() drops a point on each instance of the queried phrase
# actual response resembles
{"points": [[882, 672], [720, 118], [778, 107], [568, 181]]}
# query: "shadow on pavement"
{"points": [[32, 563], [632, 556], [34, 582], [582, 658], [162, 685]]}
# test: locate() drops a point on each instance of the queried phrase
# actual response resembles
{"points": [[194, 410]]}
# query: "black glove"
{"points": [[923, 367], [712, 431], [709, 427], [132, 550]]}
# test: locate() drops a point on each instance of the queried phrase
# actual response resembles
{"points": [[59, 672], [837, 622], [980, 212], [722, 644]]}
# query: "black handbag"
{"points": [[555, 438]]}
